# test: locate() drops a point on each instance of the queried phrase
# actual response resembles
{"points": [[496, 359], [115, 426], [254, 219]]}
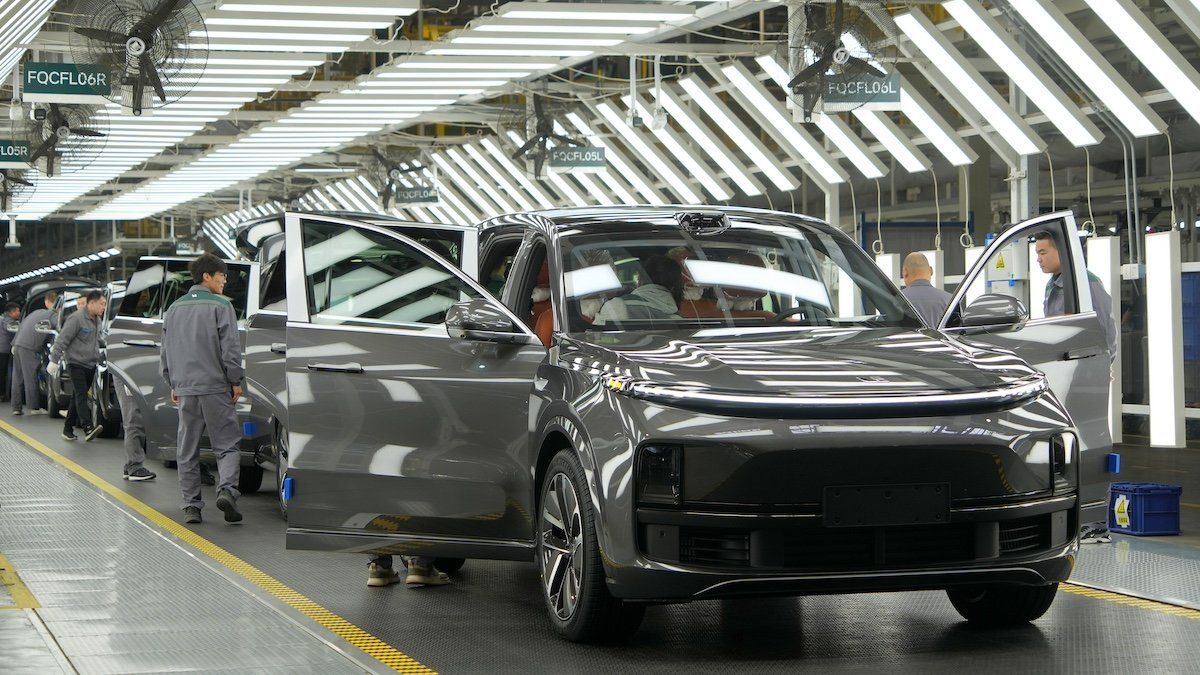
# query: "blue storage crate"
{"points": [[1144, 508]]}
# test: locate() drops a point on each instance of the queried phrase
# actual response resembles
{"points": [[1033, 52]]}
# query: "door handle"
{"points": [[1082, 353], [142, 343], [279, 347], [337, 367]]}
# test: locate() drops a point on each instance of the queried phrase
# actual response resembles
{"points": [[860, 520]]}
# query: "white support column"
{"points": [[1164, 330], [890, 264], [1104, 260], [937, 260], [833, 208]]}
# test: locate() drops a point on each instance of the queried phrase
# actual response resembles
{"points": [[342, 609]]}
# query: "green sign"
{"points": [[14, 154], [584, 158], [866, 90], [65, 83], [416, 195]]}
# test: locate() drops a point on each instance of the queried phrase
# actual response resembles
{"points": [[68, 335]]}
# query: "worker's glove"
{"points": [[53, 368]]}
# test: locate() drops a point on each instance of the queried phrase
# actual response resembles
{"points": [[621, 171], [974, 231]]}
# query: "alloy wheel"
{"points": [[281, 466], [562, 552]]}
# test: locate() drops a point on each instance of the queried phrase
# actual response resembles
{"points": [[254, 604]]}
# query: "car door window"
{"points": [[274, 295], [179, 281], [357, 276], [1035, 267], [497, 264], [143, 294]]}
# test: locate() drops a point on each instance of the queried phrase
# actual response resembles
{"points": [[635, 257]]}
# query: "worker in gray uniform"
{"points": [[135, 435], [9, 321], [201, 359], [930, 301], [26, 345], [77, 348], [1055, 304]]}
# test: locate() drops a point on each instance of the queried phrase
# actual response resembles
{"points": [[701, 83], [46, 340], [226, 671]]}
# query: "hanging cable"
{"points": [[965, 239], [1053, 194], [878, 210], [937, 209], [1171, 181], [1091, 221]]}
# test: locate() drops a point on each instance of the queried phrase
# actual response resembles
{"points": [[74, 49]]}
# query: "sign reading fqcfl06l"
{"points": [[66, 83], [416, 195], [868, 91], [582, 159], [14, 154]]}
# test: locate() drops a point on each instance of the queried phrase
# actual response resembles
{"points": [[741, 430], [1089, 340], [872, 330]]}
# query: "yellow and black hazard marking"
{"points": [[368, 643], [1131, 601]]}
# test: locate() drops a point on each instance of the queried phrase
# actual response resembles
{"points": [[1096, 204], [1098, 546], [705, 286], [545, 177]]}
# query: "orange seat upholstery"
{"points": [[752, 314], [704, 308], [539, 308], [544, 327]]}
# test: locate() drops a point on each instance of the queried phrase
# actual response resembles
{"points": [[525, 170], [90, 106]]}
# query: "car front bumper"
{"points": [[688, 555]]}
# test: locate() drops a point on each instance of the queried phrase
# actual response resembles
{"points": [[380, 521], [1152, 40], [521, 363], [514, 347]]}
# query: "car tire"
{"points": [[449, 565], [281, 467], [568, 555], [1002, 605], [250, 479]]}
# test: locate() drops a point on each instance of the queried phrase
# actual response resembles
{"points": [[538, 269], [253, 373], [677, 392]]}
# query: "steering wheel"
{"points": [[815, 314]]}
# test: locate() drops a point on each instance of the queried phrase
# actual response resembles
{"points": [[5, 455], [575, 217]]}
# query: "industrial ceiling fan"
{"points": [[539, 130], [16, 186], [386, 174], [66, 137], [827, 44]]}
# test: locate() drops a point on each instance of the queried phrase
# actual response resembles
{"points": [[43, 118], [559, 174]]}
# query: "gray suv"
{"points": [[668, 404]]}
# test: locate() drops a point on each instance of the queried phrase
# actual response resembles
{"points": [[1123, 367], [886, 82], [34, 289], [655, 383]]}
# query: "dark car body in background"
{"points": [[133, 342], [665, 460]]}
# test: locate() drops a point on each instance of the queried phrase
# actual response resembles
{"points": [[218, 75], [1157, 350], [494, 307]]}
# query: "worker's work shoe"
{"points": [[139, 474], [378, 575], [69, 435], [425, 576], [95, 431], [228, 505], [191, 515]]}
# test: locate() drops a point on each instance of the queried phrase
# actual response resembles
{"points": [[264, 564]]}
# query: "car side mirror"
{"points": [[994, 310], [481, 321], [44, 327]]}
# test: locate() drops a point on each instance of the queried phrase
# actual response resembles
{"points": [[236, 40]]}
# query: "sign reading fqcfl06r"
{"points": [[417, 195], [14, 154], [66, 83], [584, 158], [868, 90]]}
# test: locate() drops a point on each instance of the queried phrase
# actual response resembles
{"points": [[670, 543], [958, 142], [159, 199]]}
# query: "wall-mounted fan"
{"points": [[16, 187], [155, 49], [828, 42], [66, 137], [536, 123], [386, 173]]}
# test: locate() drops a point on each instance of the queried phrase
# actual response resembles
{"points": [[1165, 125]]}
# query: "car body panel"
{"points": [[753, 479], [135, 335]]}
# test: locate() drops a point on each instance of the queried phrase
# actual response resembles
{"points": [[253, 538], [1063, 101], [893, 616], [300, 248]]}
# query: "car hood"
{"points": [[840, 371]]}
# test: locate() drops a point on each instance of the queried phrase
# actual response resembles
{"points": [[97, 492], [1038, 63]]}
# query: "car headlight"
{"points": [[658, 473]]}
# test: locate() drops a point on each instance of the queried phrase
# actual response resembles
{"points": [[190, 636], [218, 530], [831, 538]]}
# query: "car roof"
{"points": [[552, 220]]}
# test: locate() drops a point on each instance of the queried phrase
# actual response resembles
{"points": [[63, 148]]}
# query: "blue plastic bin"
{"points": [[1151, 508]]}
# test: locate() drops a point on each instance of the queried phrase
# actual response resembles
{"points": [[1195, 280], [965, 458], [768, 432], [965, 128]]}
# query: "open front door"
{"points": [[1040, 264], [400, 437]]}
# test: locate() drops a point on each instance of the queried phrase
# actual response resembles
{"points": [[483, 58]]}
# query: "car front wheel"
{"points": [[573, 579], [1002, 605]]}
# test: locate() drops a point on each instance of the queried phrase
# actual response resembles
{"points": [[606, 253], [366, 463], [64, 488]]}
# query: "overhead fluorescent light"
{"points": [[981, 95], [679, 149], [482, 183], [1149, 46], [897, 143], [499, 174], [511, 51], [280, 22], [501, 158], [535, 40], [839, 133], [504, 25], [596, 11], [706, 139], [1025, 72], [384, 8], [649, 154], [257, 34]]}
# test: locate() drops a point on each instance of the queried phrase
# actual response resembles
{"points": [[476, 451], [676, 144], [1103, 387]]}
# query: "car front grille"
{"points": [[821, 548]]}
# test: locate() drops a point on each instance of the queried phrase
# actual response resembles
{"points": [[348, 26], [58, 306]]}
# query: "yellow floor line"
{"points": [[371, 645], [1190, 505], [1131, 601], [22, 598]]}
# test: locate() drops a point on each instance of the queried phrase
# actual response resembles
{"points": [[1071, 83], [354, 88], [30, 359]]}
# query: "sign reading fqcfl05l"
{"points": [[66, 83], [867, 91], [581, 159], [416, 195], [14, 154]]}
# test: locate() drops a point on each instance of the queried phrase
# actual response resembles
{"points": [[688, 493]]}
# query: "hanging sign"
{"points": [[416, 195], [869, 91], [14, 154], [65, 83], [581, 159]]}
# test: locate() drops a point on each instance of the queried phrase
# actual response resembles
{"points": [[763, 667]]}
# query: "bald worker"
{"points": [[931, 302]]}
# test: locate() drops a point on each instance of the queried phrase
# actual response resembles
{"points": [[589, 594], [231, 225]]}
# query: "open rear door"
{"points": [[1062, 334]]}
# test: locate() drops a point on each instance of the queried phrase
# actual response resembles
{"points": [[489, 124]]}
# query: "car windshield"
{"points": [[737, 272]]}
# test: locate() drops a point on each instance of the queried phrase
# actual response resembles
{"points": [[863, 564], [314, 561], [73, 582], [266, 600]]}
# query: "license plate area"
{"points": [[875, 505]]}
